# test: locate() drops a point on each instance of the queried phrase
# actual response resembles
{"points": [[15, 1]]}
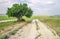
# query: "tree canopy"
{"points": [[19, 10]]}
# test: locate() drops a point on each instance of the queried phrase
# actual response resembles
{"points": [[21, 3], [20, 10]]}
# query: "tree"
{"points": [[19, 10]]}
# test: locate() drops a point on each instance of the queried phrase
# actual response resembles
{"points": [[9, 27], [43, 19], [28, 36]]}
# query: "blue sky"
{"points": [[39, 7]]}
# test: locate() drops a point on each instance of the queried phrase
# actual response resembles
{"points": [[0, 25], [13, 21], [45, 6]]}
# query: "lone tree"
{"points": [[19, 10]]}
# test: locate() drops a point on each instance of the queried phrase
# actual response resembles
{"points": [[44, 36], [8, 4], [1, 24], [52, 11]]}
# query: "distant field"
{"points": [[52, 22], [6, 18]]}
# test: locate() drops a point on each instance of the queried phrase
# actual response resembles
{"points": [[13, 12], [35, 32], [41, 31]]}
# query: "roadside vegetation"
{"points": [[12, 31], [54, 23], [4, 37], [6, 24], [15, 31]]}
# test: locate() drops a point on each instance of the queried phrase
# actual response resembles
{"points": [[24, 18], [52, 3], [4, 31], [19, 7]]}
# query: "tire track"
{"points": [[37, 28]]}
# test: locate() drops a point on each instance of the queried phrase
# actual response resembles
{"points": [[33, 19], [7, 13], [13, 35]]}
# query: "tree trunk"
{"points": [[19, 19]]}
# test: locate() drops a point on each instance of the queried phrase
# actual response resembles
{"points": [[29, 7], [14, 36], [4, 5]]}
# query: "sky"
{"points": [[39, 7]]}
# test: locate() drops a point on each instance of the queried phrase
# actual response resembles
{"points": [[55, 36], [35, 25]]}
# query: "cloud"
{"points": [[46, 2], [40, 3], [4, 4], [47, 7], [34, 1], [50, 2]]}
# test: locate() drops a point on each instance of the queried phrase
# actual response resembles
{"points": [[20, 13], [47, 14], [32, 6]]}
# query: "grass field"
{"points": [[54, 23], [6, 18]]}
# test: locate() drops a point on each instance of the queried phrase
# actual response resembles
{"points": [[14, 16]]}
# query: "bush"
{"points": [[13, 32], [3, 37]]}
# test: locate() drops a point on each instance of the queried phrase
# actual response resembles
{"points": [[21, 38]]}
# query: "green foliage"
{"points": [[13, 32], [3, 37], [19, 10]]}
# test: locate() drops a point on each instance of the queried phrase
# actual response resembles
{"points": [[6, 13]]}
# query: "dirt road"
{"points": [[35, 30]]}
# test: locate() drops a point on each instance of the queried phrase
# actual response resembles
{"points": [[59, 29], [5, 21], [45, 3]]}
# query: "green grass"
{"points": [[6, 18], [3, 37], [13, 32], [6, 24]]}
